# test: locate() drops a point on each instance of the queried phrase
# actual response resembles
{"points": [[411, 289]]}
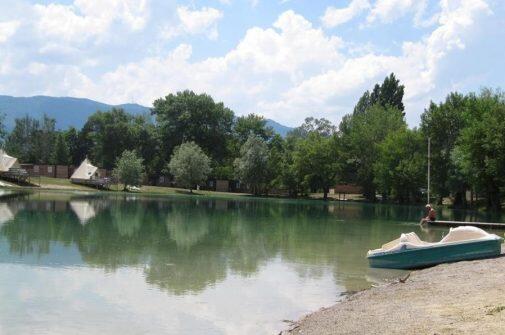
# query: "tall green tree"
{"points": [[186, 117], [362, 133], [251, 167], [317, 159], [32, 140], [400, 170], [321, 126], [442, 123], [251, 124], [480, 149], [189, 165], [129, 169], [77, 145], [389, 93], [61, 155]]}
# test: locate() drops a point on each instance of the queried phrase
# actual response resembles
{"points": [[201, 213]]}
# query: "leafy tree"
{"points": [[362, 134], [189, 165], [443, 123], [108, 135], [32, 140], [251, 124], [321, 126], [317, 159], [389, 93], [61, 154], [251, 167], [129, 169], [289, 175], [275, 165], [186, 117], [400, 169], [77, 146], [45, 139], [480, 149]]}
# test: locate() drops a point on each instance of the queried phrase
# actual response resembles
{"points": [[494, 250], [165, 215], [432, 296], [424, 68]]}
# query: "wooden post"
{"points": [[429, 153]]}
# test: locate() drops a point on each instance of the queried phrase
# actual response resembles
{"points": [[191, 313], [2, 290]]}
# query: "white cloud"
{"points": [[287, 71], [266, 60], [8, 29], [192, 22], [386, 11], [336, 16], [417, 66], [87, 18]]}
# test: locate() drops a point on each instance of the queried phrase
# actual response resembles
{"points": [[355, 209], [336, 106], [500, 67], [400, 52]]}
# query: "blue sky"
{"points": [[284, 59]]}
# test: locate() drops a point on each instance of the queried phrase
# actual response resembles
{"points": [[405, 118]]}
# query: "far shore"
{"points": [[459, 298], [58, 184]]}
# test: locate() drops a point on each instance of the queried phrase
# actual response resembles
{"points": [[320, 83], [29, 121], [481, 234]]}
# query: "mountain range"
{"points": [[74, 112]]}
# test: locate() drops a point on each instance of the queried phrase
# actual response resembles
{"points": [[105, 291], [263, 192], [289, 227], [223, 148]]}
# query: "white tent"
{"points": [[7, 162], [84, 210], [85, 171]]}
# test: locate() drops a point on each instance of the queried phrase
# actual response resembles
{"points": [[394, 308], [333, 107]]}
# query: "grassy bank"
{"points": [[48, 183]]}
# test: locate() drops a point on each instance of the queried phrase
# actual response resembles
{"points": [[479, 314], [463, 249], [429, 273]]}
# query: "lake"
{"points": [[79, 263]]}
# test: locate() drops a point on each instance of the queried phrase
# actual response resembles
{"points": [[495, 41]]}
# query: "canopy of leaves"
{"points": [[186, 117], [443, 123], [362, 134], [389, 93], [252, 166], [317, 159], [32, 140], [189, 165], [110, 133], [400, 170], [61, 154], [129, 169], [480, 149]]}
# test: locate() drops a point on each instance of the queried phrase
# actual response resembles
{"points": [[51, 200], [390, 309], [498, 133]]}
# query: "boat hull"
{"points": [[424, 257]]}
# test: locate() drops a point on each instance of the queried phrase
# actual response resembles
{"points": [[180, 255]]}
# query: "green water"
{"points": [[75, 263]]}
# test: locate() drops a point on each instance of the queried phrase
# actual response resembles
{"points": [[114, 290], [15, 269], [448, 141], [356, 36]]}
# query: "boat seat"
{"points": [[410, 238], [464, 233]]}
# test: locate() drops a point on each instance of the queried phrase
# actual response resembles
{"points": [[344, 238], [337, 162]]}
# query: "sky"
{"points": [[283, 59]]}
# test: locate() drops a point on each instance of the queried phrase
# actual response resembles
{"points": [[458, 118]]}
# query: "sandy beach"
{"points": [[458, 298]]}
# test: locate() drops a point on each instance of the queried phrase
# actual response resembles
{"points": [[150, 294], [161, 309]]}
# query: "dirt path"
{"points": [[459, 298]]}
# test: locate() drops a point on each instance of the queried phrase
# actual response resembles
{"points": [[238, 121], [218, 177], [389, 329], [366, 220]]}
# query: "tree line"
{"points": [[192, 138]]}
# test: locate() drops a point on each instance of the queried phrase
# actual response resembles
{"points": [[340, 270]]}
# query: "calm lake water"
{"points": [[73, 263]]}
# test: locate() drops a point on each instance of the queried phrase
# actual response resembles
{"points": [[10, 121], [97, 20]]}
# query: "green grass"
{"points": [[48, 183]]}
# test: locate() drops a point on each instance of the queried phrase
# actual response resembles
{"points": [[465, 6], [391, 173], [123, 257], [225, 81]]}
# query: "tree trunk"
{"points": [[325, 193], [493, 198]]}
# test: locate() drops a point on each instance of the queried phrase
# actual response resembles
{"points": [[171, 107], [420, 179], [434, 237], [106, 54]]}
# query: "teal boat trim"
{"points": [[416, 258]]}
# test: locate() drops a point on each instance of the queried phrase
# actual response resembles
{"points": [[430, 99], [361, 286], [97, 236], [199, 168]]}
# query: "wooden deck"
{"points": [[495, 225]]}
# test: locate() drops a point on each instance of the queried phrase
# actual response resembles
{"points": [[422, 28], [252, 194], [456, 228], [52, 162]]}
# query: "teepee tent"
{"points": [[85, 171], [7, 162]]}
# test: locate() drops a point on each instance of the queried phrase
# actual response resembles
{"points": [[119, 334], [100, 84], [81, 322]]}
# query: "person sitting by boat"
{"points": [[431, 215]]}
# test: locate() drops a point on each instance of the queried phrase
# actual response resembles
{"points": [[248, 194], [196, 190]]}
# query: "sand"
{"points": [[458, 298]]}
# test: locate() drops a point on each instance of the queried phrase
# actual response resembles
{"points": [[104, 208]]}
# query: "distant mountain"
{"points": [[279, 128], [74, 111], [66, 111]]}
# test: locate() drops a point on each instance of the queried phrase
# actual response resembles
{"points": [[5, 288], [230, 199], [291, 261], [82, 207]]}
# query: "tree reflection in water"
{"points": [[184, 244]]}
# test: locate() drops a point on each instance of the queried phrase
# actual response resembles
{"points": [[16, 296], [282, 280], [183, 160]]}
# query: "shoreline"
{"points": [[459, 298]]}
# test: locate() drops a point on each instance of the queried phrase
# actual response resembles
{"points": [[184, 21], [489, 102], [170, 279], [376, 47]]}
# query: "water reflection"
{"points": [[185, 246]]}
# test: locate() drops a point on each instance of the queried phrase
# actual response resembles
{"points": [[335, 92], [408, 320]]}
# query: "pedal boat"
{"points": [[410, 252]]}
